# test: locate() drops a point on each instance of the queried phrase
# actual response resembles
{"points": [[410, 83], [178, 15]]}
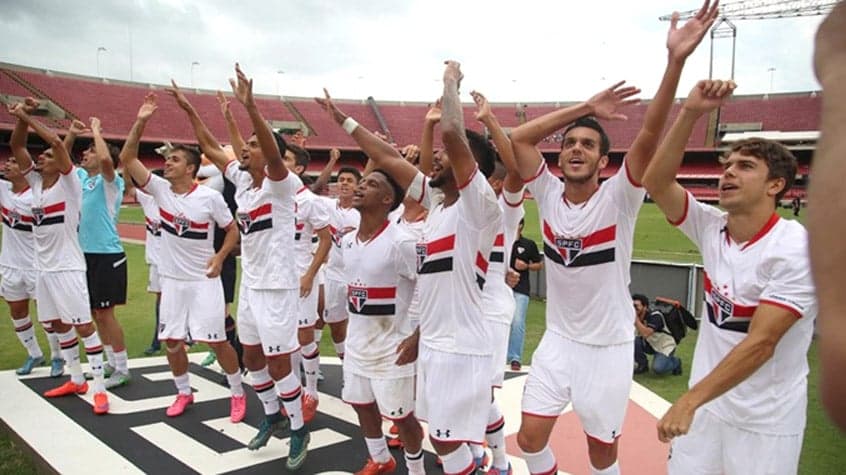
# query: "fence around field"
{"points": [[682, 282]]}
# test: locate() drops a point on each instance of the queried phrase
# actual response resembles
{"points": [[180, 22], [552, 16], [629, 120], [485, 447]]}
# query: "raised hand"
{"points": [[96, 127], [682, 41], [31, 104], [224, 103], [411, 153], [483, 107], [334, 155], [330, 107], [177, 94], [707, 95], [77, 127], [433, 115], [830, 48], [452, 72], [18, 109], [606, 103], [243, 88], [148, 107]]}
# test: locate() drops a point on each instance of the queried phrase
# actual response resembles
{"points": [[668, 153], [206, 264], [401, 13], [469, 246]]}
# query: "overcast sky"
{"points": [[524, 50]]}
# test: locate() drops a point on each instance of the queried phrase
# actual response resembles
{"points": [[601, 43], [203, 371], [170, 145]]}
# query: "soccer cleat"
{"points": [[375, 468], [481, 463], [101, 403], [117, 379], [57, 367], [499, 471], [178, 406], [29, 364], [273, 424], [320, 375], [309, 407], [67, 389], [394, 441], [298, 448], [209, 359], [237, 408]]}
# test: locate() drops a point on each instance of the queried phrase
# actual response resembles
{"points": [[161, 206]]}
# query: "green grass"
{"points": [[656, 239]]}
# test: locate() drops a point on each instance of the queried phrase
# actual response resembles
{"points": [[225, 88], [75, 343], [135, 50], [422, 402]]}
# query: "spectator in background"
{"points": [[653, 339], [524, 257]]}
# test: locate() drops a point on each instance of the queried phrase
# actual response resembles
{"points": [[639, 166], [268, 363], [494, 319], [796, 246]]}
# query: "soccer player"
{"points": [[102, 193], [264, 192], [588, 231], [17, 269], [452, 266], [192, 295], [825, 219], [60, 288], [745, 409], [380, 268]]}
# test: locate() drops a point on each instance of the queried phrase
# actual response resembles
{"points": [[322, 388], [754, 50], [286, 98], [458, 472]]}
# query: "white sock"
{"points": [[290, 391], [613, 469], [94, 353], [459, 460], [70, 352], [318, 334], [414, 463], [378, 449], [264, 388], [495, 436], [236, 387], [121, 362], [53, 340], [477, 450], [110, 355], [26, 334], [339, 349], [183, 384], [311, 365], [296, 361], [541, 463]]}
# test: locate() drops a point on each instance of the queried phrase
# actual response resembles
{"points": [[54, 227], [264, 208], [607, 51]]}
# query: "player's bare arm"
{"points": [[17, 142], [427, 147], [681, 42], [129, 153], [235, 137], [326, 173], [324, 244], [485, 115], [208, 143], [60, 153], [769, 324], [826, 226], [453, 133], [230, 242], [383, 154], [604, 105], [660, 177], [407, 349], [107, 167], [76, 129]]}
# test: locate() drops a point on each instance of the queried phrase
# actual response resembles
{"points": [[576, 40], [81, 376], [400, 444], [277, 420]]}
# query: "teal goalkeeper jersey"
{"points": [[100, 207]]}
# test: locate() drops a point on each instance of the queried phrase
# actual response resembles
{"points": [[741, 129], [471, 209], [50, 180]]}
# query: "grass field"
{"points": [[824, 450]]}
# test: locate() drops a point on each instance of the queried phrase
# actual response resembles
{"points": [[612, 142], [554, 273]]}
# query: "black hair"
{"points": [[352, 171], [301, 155], [192, 156], [591, 123], [781, 163], [483, 152], [642, 299], [399, 192]]}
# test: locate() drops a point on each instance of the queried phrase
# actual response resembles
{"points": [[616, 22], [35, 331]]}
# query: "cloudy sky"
{"points": [[526, 50]]}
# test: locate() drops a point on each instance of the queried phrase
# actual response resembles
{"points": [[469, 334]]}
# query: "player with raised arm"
{"points": [[60, 288], [452, 266], [588, 232], [746, 407], [267, 303], [192, 295]]}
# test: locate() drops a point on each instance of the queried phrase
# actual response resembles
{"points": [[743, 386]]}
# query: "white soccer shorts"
{"points": [[596, 379], [394, 396], [453, 394], [499, 333], [307, 309], [335, 294], [62, 295], [154, 280], [267, 318], [714, 447], [195, 306], [17, 284]]}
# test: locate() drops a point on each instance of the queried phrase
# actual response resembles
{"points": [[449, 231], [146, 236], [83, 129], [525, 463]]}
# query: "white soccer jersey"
{"points": [[773, 268], [588, 249], [152, 221], [452, 263], [380, 275], [342, 221], [17, 246], [55, 216], [497, 296], [415, 229], [511, 205], [266, 221], [187, 224], [311, 215]]}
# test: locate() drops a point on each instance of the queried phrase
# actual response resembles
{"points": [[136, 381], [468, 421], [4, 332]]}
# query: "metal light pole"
{"points": [[279, 74], [772, 74], [100, 49], [195, 63]]}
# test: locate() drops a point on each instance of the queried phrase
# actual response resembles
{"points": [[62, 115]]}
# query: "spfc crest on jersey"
{"points": [[568, 248], [181, 225], [722, 307], [357, 297], [14, 218], [37, 215], [422, 251], [245, 221]]}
